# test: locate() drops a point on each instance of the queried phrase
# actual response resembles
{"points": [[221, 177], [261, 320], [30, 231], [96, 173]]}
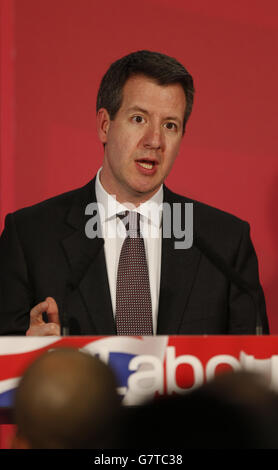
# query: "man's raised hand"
{"points": [[38, 327]]}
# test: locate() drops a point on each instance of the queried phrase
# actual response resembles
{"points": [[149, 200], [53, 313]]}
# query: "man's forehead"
{"points": [[141, 92]]}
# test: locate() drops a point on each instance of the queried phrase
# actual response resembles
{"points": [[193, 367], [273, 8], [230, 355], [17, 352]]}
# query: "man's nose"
{"points": [[153, 137]]}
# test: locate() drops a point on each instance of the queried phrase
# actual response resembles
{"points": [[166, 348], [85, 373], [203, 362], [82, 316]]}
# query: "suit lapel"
{"points": [[88, 268], [178, 272]]}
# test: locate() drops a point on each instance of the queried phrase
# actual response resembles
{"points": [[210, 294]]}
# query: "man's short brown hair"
{"points": [[162, 68]]}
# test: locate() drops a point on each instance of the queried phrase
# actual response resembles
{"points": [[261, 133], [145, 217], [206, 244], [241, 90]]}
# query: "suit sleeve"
{"points": [[15, 294], [243, 310]]}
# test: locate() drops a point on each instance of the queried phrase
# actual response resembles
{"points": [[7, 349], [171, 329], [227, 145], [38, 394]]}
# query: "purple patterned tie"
{"points": [[133, 296]]}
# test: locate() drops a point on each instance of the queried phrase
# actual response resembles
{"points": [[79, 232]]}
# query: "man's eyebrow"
{"points": [[138, 108], [142, 110]]}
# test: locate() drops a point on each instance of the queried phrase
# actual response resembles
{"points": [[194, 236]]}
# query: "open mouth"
{"points": [[147, 164]]}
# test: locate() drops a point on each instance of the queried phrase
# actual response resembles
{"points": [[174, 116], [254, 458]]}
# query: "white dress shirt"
{"points": [[114, 233]]}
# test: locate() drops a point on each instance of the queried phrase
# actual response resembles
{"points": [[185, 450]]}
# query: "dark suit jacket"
{"points": [[44, 252]]}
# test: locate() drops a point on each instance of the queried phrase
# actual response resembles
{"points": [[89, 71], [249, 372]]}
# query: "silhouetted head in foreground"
{"points": [[233, 411], [66, 399]]}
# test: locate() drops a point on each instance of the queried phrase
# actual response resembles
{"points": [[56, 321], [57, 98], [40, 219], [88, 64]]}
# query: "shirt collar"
{"points": [[150, 209]]}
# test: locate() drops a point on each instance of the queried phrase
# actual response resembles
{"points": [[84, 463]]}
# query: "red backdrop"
{"points": [[53, 54]]}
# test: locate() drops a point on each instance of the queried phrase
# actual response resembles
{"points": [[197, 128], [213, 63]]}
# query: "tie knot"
{"points": [[131, 221]]}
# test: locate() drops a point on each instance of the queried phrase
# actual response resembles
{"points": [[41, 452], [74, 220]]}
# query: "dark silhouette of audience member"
{"points": [[233, 411], [67, 399]]}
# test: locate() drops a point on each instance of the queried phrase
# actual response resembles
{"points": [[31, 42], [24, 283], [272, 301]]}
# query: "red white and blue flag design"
{"points": [[148, 366], [17, 353]]}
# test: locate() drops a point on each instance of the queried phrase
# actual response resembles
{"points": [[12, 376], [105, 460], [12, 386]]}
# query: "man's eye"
{"points": [[171, 126], [137, 119]]}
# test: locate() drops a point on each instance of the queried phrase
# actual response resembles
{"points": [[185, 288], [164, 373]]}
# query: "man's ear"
{"points": [[103, 124]]}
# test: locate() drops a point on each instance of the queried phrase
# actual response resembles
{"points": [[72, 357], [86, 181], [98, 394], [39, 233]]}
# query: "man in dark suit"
{"points": [[52, 268]]}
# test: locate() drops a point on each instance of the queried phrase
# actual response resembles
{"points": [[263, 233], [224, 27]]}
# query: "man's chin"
{"points": [[143, 193]]}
